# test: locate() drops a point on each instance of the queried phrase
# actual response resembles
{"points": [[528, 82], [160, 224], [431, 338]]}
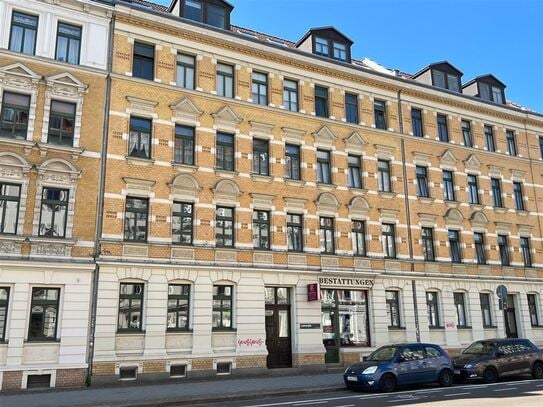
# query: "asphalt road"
{"points": [[519, 393]]}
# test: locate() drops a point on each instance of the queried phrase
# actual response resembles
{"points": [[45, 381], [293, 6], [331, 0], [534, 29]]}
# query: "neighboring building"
{"points": [[52, 91], [243, 169]]}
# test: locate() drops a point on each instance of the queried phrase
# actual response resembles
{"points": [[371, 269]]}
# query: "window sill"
{"points": [[48, 239], [387, 194], [223, 330], [452, 204], [41, 341], [262, 178], [521, 212], [426, 199], [326, 187], [294, 182], [358, 191], [537, 326], [396, 328], [500, 209], [464, 327], [130, 332], [178, 331], [436, 328], [226, 173], [139, 160], [74, 151], [490, 327], [184, 167], [477, 206], [26, 144]]}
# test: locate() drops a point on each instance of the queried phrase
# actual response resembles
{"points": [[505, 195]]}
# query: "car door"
{"points": [[526, 356], [409, 364], [431, 363], [506, 360]]}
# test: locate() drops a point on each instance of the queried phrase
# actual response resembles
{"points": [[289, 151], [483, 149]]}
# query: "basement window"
{"points": [[38, 381], [224, 368], [128, 373], [178, 371]]}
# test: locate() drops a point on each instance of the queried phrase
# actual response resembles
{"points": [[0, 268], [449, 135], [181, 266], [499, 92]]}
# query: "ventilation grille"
{"points": [[128, 373], [38, 381], [178, 370], [224, 368]]}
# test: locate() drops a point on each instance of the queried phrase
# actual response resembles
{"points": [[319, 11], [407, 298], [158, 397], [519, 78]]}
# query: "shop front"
{"points": [[345, 315]]}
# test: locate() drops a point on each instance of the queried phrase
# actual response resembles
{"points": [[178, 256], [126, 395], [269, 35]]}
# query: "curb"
{"points": [[229, 397]]}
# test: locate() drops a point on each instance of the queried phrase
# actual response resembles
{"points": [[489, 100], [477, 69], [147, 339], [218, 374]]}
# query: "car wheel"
{"points": [[490, 375], [537, 371], [387, 383], [445, 378]]}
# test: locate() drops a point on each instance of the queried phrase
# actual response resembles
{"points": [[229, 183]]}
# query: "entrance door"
{"points": [[278, 327], [510, 317]]}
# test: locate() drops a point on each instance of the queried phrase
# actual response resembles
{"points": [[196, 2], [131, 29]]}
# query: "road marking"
{"points": [[308, 403], [456, 394], [539, 385], [509, 388]]}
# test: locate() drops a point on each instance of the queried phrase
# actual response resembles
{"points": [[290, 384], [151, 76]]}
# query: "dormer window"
{"points": [[321, 46], [326, 42], [340, 51], [445, 80], [492, 93], [486, 87], [441, 75], [212, 12]]}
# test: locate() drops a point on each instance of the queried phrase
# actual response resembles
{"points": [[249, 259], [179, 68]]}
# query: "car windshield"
{"points": [[480, 348], [383, 354]]}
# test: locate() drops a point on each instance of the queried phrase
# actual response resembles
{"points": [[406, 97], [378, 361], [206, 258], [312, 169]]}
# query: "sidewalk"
{"points": [[177, 393]]}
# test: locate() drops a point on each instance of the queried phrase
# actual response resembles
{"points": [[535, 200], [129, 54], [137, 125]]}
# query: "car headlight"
{"points": [[370, 370], [470, 365]]}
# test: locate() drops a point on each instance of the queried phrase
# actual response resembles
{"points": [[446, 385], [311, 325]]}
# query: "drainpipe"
{"points": [[100, 204], [408, 216]]}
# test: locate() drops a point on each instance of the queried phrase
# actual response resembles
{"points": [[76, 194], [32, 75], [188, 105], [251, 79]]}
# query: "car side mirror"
{"points": [[364, 358]]}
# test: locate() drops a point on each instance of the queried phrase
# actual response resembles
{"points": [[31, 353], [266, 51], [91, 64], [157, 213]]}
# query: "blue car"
{"points": [[396, 365]]}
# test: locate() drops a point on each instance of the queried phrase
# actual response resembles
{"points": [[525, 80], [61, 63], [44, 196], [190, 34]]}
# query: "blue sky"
{"points": [[502, 37]]}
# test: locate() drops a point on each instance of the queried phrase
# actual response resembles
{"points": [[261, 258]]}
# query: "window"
{"points": [[432, 352], [484, 91], [460, 306], [453, 82], [445, 80], [23, 33], [484, 299], [503, 249], [454, 245], [261, 157], [511, 143], [68, 43], [178, 307], [321, 101], [54, 212], [184, 145], [525, 249], [135, 219], [388, 240], [321, 46], [448, 186], [432, 309], [10, 197], [497, 94], [416, 122], [351, 108], [541, 147], [496, 186], [128, 373], [224, 226], [324, 173], [442, 128], [260, 88], [379, 112], [225, 152], [44, 314], [130, 307], [466, 133], [14, 116], [326, 234], [295, 237], [489, 139], [438, 79], [532, 307], [358, 235], [473, 193], [193, 10], [422, 182], [4, 301], [393, 308], [428, 244], [178, 370], [144, 61], [216, 16], [185, 71], [517, 192], [222, 307], [225, 80], [261, 229], [383, 171], [290, 95], [61, 123], [292, 162], [480, 252], [139, 141], [355, 171], [340, 51], [182, 223]]}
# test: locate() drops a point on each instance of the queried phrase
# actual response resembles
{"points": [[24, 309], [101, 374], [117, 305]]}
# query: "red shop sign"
{"points": [[313, 292]]}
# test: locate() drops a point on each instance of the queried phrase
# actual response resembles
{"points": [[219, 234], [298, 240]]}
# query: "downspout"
{"points": [[408, 217], [100, 204]]}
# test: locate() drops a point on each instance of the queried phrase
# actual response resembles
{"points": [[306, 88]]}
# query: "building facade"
{"points": [[52, 92], [278, 204]]}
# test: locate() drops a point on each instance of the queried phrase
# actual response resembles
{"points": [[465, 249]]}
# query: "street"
{"points": [[523, 393]]}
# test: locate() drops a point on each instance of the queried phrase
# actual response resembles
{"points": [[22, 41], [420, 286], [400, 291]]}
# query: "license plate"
{"points": [[456, 371], [352, 378]]}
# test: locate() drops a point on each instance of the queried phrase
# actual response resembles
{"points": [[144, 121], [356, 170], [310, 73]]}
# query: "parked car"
{"points": [[394, 365], [491, 359]]}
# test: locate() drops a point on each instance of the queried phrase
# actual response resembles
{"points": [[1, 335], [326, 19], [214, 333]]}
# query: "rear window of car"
{"points": [[432, 352]]}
